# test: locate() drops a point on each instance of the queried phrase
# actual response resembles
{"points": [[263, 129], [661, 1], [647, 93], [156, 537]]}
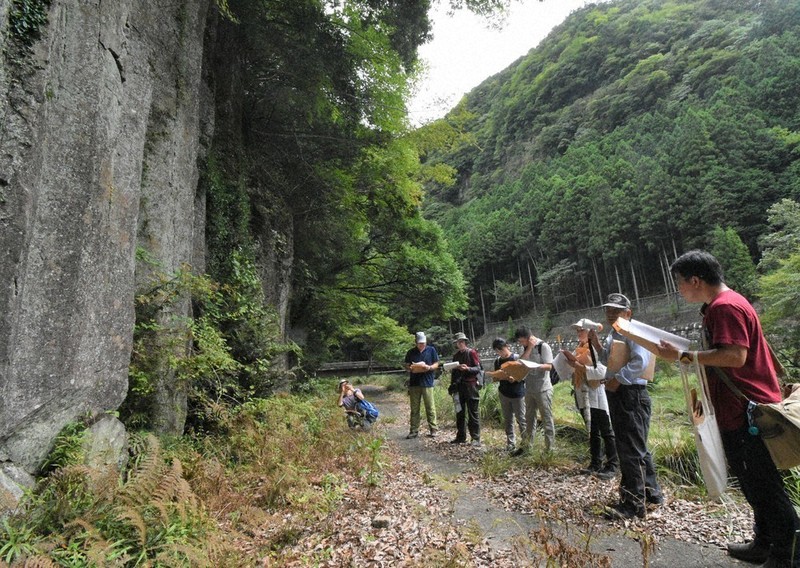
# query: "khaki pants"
{"points": [[424, 394], [539, 402]]}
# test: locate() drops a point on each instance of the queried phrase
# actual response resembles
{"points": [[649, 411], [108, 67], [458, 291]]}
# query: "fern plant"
{"points": [[87, 517]]}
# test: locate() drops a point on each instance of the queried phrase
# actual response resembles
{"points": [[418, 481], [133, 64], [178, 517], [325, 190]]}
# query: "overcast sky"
{"points": [[464, 51]]}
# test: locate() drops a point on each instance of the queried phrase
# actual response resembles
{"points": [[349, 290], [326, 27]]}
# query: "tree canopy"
{"points": [[631, 132]]}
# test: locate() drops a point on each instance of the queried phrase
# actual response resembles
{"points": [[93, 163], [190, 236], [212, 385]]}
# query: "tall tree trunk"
{"points": [[533, 295], [597, 278]]}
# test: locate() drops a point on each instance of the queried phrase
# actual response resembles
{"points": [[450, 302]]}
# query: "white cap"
{"points": [[420, 337]]}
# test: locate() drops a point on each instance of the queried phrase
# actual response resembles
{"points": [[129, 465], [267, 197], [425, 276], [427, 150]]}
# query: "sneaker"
{"points": [[458, 441], [412, 435], [432, 433], [476, 444], [606, 473], [622, 512], [510, 447], [753, 551]]}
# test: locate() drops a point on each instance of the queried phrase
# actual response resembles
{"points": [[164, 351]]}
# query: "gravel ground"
{"points": [[433, 507]]}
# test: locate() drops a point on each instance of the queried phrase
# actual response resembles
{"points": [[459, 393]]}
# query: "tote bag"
{"points": [[779, 426], [707, 438]]}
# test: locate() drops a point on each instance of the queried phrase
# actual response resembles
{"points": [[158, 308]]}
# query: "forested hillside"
{"points": [[631, 132]]}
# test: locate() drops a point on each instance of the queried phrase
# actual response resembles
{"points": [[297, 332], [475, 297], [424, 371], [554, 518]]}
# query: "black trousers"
{"points": [[601, 437], [762, 484], [469, 416], [630, 408]]}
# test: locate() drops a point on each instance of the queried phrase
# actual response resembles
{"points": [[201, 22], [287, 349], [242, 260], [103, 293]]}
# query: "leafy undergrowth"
{"points": [[284, 482]]}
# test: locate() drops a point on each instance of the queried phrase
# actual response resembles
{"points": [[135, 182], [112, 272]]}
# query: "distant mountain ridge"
{"points": [[624, 138]]}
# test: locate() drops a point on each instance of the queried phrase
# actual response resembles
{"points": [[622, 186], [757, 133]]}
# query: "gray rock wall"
{"points": [[99, 153]]}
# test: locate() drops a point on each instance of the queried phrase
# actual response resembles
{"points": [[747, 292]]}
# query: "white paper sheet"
{"points": [[648, 336]]}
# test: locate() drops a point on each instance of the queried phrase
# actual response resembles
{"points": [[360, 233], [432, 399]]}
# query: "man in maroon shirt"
{"points": [[735, 345]]}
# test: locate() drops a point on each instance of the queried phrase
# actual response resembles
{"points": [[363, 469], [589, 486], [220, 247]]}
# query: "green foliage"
{"points": [[26, 18], [509, 299], [373, 470], [792, 484], [780, 294], [783, 238], [19, 541], [68, 447], [625, 136], [740, 271], [81, 517], [327, 172], [225, 351]]}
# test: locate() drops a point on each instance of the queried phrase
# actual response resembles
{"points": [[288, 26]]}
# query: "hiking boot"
{"points": [[606, 473], [656, 500], [753, 551], [458, 441], [592, 469], [476, 444], [412, 435], [518, 452], [432, 433], [510, 447], [622, 512]]}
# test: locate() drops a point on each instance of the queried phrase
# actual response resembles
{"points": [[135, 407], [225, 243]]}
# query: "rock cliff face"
{"points": [[103, 130]]}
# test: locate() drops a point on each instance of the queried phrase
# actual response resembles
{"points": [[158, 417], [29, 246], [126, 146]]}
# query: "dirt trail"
{"points": [[472, 503]]}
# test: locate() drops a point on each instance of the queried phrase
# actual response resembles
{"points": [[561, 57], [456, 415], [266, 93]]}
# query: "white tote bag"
{"points": [[707, 438]]}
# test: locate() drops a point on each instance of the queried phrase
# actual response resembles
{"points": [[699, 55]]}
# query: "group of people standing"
{"points": [[617, 406]]}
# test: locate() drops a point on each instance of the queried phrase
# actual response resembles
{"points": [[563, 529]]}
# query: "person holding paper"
{"points": [[630, 408], [464, 383], [601, 435], [511, 394], [734, 344], [538, 389], [421, 361]]}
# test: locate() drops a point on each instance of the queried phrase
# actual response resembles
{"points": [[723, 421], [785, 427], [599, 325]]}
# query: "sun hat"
{"points": [[587, 324], [460, 337]]}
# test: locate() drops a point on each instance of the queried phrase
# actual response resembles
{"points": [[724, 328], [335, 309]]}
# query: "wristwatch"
{"points": [[686, 358]]}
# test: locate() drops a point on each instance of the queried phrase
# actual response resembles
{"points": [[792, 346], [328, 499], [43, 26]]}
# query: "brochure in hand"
{"points": [[513, 371], [648, 336]]}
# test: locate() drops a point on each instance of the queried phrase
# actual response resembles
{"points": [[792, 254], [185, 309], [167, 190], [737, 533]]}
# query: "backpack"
{"points": [[369, 409], [554, 378]]}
